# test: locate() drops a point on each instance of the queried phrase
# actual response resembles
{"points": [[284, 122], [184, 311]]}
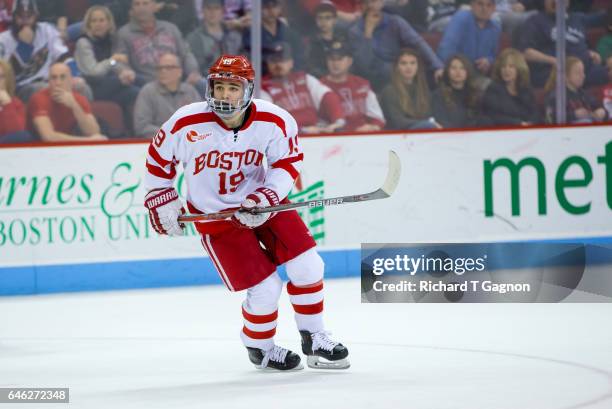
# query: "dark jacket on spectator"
{"points": [[538, 33], [575, 100], [461, 113], [316, 60], [502, 108]]}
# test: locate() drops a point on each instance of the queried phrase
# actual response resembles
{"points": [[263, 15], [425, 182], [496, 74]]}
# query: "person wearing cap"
{"points": [[145, 38], [31, 47], [327, 32], [379, 37], [212, 38], [316, 108], [275, 31], [361, 108]]}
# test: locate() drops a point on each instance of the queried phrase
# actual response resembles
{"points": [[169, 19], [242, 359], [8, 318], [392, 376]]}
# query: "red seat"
{"points": [[593, 35], [112, 115]]}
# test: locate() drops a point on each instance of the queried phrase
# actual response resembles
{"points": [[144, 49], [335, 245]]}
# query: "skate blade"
{"points": [[267, 369], [316, 362]]}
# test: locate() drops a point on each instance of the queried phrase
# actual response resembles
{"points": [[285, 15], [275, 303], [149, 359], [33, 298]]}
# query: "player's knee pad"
{"points": [[263, 298], [307, 268]]}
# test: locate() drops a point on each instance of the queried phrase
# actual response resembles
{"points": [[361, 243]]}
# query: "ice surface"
{"points": [[179, 348]]}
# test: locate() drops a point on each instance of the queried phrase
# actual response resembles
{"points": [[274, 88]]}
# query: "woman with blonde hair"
{"points": [[509, 99], [108, 74], [12, 110], [406, 101], [580, 106]]}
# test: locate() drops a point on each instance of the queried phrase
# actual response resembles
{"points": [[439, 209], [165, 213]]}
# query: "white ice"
{"points": [[179, 348]]}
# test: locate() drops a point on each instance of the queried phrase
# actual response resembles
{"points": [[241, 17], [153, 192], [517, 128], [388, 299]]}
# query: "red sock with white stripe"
{"points": [[308, 306], [259, 329]]}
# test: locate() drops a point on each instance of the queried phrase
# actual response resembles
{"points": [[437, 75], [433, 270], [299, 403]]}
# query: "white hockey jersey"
{"points": [[48, 47], [222, 166]]}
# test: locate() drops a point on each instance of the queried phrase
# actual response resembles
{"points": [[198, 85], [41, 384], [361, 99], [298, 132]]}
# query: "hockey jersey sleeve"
{"points": [[284, 159], [161, 158]]}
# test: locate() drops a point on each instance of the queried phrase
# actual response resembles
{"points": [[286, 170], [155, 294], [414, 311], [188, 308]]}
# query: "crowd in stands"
{"points": [[79, 70]]}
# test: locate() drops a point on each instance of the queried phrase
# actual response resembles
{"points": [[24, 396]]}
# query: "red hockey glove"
{"points": [[262, 197], [164, 209]]}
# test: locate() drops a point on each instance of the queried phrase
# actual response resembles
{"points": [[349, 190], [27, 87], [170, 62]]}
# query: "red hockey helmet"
{"points": [[230, 68]]}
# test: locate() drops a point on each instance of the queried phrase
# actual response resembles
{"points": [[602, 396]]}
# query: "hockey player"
{"points": [[241, 153]]}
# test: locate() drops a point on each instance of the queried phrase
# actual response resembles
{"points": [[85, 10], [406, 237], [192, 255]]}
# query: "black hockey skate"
{"points": [[322, 352], [277, 358]]}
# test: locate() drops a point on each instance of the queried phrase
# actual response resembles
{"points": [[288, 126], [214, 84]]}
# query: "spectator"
{"points": [[31, 47], [108, 74], [607, 90], [315, 107], [276, 31], [6, 7], [145, 39], [159, 99], [59, 114], [580, 106], [538, 43], [509, 99], [474, 34], [604, 45], [406, 100], [212, 39], [379, 37], [455, 102], [327, 33], [237, 14], [413, 11], [361, 108], [12, 110]]}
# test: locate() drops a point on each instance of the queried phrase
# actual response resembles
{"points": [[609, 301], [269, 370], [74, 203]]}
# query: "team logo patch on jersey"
{"points": [[193, 136]]}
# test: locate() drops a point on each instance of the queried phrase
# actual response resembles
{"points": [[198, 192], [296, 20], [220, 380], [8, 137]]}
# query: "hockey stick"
{"points": [[387, 189]]}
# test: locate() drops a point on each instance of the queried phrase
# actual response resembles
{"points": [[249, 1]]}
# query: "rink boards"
{"points": [[71, 218]]}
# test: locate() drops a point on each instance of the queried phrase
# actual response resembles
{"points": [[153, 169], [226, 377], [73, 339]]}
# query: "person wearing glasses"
{"points": [[159, 99]]}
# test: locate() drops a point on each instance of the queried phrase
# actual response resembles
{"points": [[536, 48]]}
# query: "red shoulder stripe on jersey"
{"points": [[270, 117], [288, 168], [259, 319], [309, 309], [159, 172], [195, 119], [294, 290], [259, 334], [286, 164], [155, 155]]}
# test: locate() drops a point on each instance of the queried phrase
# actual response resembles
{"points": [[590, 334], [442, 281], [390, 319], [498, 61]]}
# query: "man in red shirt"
{"points": [[361, 108], [315, 107], [59, 114]]}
